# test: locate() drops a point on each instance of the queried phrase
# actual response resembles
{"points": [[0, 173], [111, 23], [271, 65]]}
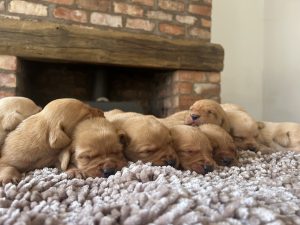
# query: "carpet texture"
{"points": [[262, 189]]}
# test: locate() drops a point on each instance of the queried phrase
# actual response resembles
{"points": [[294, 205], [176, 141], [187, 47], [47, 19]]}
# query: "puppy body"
{"points": [[193, 148], [244, 130], [232, 107], [177, 118], [112, 112], [224, 150], [13, 110], [97, 149], [148, 140], [207, 111], [279, 136], [119, 117], [37, 141]]}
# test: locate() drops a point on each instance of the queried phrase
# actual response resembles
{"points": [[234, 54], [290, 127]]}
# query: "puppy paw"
{"points": [[9, 175], [76, 173]]}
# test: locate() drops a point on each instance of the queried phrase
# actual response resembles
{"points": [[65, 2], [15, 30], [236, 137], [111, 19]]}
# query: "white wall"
{"points": [[262, 55], [281, 81], [238, 26]]}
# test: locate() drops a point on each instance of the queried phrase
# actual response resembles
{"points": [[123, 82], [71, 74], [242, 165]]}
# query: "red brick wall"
{"points": [[182, 19], [8, 66], [179, 89], [173, 19]]}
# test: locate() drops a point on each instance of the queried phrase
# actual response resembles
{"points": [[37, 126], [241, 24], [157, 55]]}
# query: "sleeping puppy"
{"points": [[207, 111], [96, 150], [224, 150], [148, 140], [39, 139], [13, 110], [201, 112], [279, 136], [193, 148], [244, 130]]}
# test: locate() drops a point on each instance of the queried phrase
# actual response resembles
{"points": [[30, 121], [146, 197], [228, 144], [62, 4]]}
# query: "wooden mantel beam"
{"points": [[51, 41]]}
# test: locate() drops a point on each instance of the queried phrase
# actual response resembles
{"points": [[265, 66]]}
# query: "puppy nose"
{"points": [[171, 162], [226, 161], [252, 149], [208, 168], [194, 117], [108, 171]]}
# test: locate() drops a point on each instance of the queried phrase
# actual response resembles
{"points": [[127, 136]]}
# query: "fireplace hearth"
{"points": [[155, 55]]}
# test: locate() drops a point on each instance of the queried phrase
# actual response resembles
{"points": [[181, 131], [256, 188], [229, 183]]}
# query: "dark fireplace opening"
{"points": [[107, 87]]}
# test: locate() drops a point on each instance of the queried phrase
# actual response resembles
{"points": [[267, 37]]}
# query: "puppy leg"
{"points": [[58, 139], [9, 174], [283, 139], [11, 121]]}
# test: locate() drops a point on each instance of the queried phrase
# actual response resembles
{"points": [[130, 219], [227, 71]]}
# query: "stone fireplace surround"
{"points": [[157, 52]]}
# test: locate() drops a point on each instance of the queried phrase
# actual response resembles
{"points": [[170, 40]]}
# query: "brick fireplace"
{"points": [[155, 52]]}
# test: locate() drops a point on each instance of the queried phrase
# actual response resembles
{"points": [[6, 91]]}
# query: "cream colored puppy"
{"points": [[193, 148], [39, 139], [279, 136], [244, 130], [96, 150], [148, 140], [13, 110], [224, 149]]}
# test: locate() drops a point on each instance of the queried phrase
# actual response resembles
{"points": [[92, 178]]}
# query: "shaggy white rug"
{"points": [[263, 189]]}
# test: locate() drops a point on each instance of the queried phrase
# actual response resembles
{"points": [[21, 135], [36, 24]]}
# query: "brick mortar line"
{"points": [[7, 72]]}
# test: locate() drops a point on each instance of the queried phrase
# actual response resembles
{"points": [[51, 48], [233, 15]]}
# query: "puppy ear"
{"points": [[260, 125], [12, 120], [231, 131], [64, 158], [283, 139], [123, 138], [58, 138]]}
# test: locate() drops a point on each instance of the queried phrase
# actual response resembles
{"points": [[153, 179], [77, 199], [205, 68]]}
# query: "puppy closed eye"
{"points": [[84, 158], [238, 138], [148, 152], [188, 152]]}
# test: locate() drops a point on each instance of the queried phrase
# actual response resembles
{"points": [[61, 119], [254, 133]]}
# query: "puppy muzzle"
{"points": [[108, 172], [171, 162], [194, 117], [227, 161]]}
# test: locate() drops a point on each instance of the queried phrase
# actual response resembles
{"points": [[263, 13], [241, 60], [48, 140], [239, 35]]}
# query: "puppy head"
{"points": [[149, 141], [68, 113], [207, 111], [224, 149], [244, 130], [98, 148], [193, 148]]}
